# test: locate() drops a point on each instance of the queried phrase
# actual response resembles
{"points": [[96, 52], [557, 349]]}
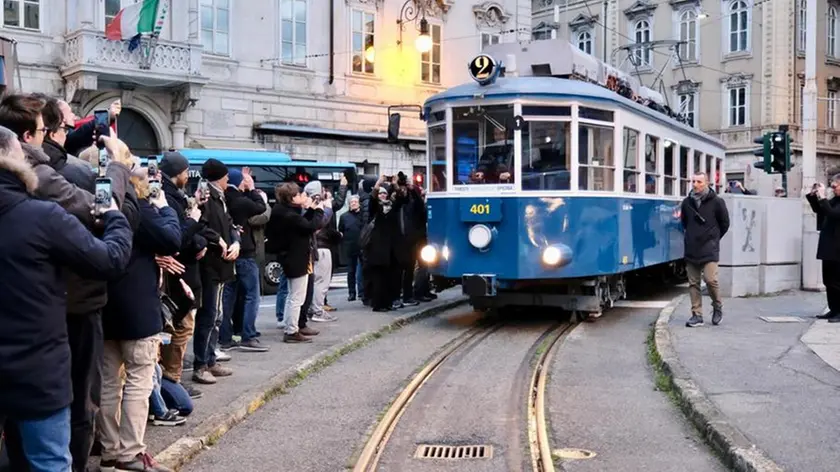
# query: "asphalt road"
{"points": [[601, 397]]}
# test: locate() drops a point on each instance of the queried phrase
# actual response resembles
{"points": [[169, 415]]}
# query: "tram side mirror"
{"points": [[393, 127]]}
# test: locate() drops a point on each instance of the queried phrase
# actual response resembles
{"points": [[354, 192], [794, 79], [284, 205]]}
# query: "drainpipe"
{"points": [[332, 41]]}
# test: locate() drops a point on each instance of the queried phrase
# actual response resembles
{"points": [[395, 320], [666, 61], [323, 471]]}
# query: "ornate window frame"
{"points": [[642, 11], [735, 82], [728, 9], [581, 27], [681, 8]]}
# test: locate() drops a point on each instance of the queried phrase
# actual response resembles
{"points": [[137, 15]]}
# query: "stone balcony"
{"points": [[92, 62]]}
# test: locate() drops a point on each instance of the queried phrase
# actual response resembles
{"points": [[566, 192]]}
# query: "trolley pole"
{"points": [[810, 235]]}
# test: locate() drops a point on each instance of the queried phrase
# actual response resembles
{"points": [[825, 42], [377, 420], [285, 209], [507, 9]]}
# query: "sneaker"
{"points": [[219, 371], [329, 308], [221, 356], [695, 320], [717, 315], [351, 298], [324, 318], [252, 345], [296, 338], [281, 325], [171, 418], [228, 346], [397, 305], [309, 331], [410, 302], [203, 376], [141, 462], [193, 392], [107, 466]]}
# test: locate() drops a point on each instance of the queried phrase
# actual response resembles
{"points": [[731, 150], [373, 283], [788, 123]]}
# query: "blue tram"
{"points": [[550, 183]]}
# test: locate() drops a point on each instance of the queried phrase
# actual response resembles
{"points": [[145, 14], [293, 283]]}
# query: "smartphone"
{"points": [[101, 120], [151, 164], [203, 189], [103, 195], [103, 162]]}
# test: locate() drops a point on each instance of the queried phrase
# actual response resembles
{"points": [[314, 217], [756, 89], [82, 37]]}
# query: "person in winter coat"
{"points": [[217, 269], [174, 174], [35, 361], [705, 220], [131, 324], [379, 253], [826, 205], [243, 203], [350, 226], [291, 236], [325, 238], [365, 195]]}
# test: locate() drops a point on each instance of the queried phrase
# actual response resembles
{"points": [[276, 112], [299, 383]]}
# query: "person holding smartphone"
{"points": [[826, 204]]}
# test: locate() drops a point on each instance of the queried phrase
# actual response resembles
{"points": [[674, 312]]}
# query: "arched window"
{"points": [[641, 32], [739, 26], [688, 33], [584, 41], [831, 45]]}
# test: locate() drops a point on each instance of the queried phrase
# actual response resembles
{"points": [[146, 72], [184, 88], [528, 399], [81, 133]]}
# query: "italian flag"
{"points": [[143, 18]]}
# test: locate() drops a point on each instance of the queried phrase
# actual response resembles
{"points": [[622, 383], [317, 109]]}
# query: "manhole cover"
{"points": [[573, 454], [438, 451], [781, 319]]}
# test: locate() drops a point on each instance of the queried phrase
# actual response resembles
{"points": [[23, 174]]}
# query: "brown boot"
{"points": [[309, 331], [296, 338], [219, 371]]}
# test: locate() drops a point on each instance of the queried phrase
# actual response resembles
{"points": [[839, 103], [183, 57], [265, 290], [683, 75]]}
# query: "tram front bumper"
{"points": [[478, 285]]}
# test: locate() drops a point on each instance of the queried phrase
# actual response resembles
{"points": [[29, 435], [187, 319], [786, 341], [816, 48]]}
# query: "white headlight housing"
{"points": [[428, 254], [551, 256], [480, 236]]}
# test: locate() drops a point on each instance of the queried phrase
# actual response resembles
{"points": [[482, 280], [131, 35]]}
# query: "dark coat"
{"points": [[290, 236], [828, 224], [411, 227], [242, 206], [704, 227], [350, 225], [38, 237], [382, 247], [85, 295], [133, 310], [193, 239], [216, 217]]}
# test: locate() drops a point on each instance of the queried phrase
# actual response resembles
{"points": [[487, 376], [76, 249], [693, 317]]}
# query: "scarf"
{"points": [[698, 197]]}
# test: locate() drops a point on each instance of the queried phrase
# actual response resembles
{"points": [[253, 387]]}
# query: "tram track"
{"points": [[539, 355]]}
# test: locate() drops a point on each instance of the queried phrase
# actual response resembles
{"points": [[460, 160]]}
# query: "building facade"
{"points": [[313, 78], [734, 67]]}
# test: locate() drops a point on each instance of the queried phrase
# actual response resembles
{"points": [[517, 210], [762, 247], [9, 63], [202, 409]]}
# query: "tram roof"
{"points": [[557, 88]]}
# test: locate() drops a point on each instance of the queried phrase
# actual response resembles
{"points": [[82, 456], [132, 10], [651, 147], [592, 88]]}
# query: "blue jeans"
{"points": [[156, 403], [176, 397], [46, 442], [248, 282], [282, 294], [355, 282]]}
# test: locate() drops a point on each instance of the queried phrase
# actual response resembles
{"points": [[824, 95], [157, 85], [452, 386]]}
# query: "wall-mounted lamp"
{"points": [[410, 12]]}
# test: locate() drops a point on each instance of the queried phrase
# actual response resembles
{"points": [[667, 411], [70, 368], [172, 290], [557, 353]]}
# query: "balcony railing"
{"points": [[86, 49]]}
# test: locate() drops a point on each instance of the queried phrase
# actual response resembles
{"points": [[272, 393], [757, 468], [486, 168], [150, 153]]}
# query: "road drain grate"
{"points": [[437, 451]]}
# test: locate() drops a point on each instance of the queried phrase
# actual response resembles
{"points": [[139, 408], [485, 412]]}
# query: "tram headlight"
{"points": [[480, 236], [552, 256], [428, 254]]}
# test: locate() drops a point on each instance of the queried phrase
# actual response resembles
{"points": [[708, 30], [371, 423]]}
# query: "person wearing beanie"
{"points": [[174, 169], [217, 269], [244, 202]]}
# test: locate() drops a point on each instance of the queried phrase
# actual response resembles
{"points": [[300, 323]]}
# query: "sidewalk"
{"points": [[258, 376], [773, 383]]}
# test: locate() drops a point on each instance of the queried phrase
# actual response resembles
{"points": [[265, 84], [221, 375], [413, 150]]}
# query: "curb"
{"points": [[214, 427], [741, 454]]}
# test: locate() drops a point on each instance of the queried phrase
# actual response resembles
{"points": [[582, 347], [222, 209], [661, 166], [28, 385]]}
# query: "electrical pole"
{"points": [[810, 236], [604, 24]]}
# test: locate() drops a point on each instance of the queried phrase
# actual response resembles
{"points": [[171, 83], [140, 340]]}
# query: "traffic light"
{"points": [[763, 152]]}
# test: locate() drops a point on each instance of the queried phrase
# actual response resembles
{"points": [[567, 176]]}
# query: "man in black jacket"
{"points": [[243, 203], [35, 358], [217, 269], [705, 219], [827, 207], [174, 169]]}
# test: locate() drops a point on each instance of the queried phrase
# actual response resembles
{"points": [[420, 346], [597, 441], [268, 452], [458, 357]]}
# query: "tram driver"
{"points": [[494, 164]]}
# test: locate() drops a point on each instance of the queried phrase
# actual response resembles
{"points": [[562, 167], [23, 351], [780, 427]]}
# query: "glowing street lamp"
{"points": [[423, 43], [415, 11]]}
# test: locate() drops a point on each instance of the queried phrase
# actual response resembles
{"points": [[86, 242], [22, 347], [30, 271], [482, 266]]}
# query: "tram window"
{"points": [[437, 158], [685, 179], [535, 110], [595, 114], [596, 158], [698, 161], [709, 172], [651, 164], [546, 151], [671, 180], [631, 169], [483, 139]]}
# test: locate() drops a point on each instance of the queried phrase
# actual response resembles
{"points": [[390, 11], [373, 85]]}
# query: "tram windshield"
{"points": [[483, 141]]}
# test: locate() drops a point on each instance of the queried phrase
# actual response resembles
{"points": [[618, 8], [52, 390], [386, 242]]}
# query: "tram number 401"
{"points": [[480, 209]]}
